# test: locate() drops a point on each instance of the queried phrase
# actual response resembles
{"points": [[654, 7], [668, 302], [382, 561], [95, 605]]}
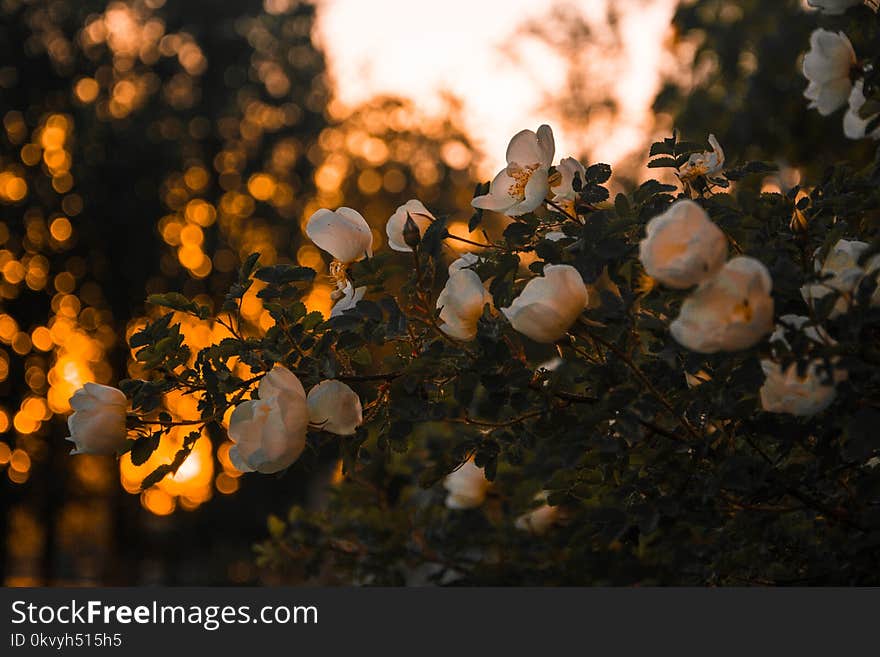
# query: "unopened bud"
{"points": [[411, 235]]}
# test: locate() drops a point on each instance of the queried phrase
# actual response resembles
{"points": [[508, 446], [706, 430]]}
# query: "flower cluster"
{"points": [[731, 308]]}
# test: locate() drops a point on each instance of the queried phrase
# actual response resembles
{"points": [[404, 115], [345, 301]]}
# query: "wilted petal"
{"points": [[348, 297]]}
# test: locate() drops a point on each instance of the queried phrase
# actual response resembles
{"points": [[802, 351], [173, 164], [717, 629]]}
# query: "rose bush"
{"points": [[627, 414]]}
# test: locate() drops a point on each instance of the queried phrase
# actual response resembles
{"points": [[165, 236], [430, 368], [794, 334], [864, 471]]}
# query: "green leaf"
{"points": [[283, 274], [142, 448], [663, 163]]}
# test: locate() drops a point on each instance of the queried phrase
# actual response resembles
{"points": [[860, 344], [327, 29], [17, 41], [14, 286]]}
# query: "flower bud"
{"points": [[411, 234], [407, 225]]}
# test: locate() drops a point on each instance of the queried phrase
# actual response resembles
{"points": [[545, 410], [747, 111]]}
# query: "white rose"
{"points": [[334, 407], [833, 6], [97, 425], [394, 227], [270, 432], [344, 234], [540, 519], [549, 304], [346, 297], [844, 274], [682, 246], [564, 194], [461, 304], [467, 486], [786, 392], [707, 163], [523, 184], [731, 311], [827, 66], [854, 126]]}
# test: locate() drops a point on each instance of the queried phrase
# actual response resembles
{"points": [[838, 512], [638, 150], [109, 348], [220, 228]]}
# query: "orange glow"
{"points": [[158, 502], [42, 338], [61, 229], [318, 299], [86, 90], [261, 186]]}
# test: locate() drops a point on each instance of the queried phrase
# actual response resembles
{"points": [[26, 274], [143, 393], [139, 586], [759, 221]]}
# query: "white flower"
{"points": [[833, 6], [523, 184], [97, 425], [549, 304], [394, 228], [270, 432], [682, 246], [784, 391], [464, 261], [335, 407], [540, 519], [854, 126], [844, 274], [707, 163], [344, 234], [568, 169], [346, 297], [827, 66], [731, 311], [467, 487], [461, 303]]}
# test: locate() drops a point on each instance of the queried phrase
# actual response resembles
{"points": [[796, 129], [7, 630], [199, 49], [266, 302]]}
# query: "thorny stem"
{"points": [[472, 243], [561, 210]]}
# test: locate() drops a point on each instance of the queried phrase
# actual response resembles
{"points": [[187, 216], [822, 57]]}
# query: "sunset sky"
{"points": [[419, 50]]}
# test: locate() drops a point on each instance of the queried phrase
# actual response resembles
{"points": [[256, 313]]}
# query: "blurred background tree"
{"points": [[741, 79]]}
